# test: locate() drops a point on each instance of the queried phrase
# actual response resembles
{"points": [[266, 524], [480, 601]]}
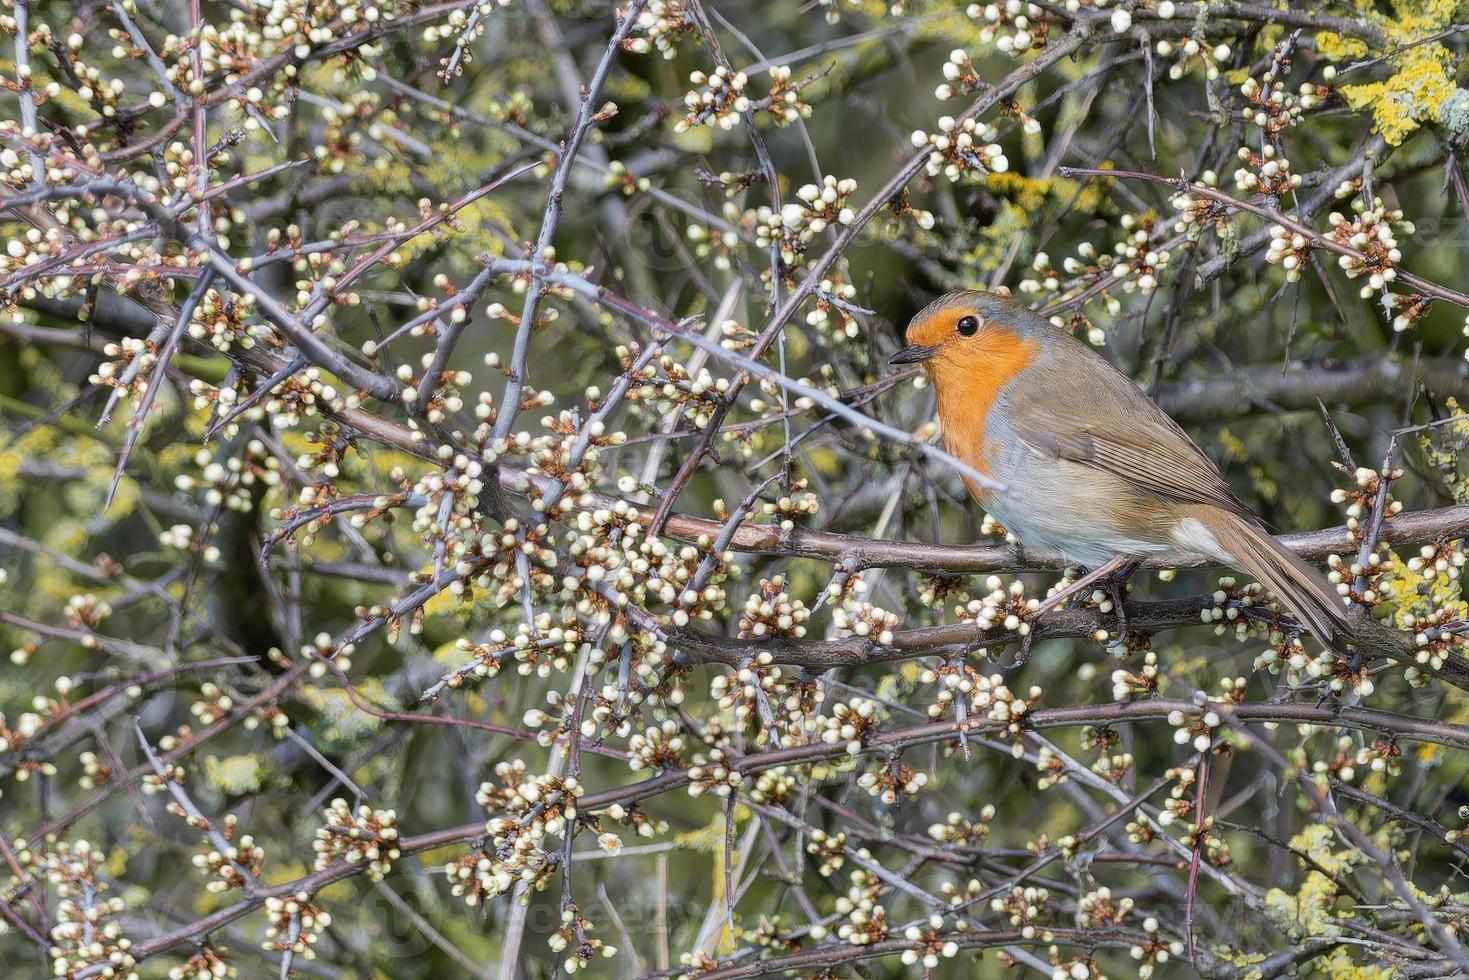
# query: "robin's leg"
{"points": [[1102, 571], [1117, 589], [1069, 594]]}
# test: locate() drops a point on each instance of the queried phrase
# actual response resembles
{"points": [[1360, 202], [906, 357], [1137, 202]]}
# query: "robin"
{"points": [[1090, 467]]}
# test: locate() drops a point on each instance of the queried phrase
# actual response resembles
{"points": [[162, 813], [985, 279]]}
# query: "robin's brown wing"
{"points": [[1076, 406]]}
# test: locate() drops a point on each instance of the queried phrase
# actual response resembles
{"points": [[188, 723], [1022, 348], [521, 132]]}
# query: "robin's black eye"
{"points": [[968, 326]]}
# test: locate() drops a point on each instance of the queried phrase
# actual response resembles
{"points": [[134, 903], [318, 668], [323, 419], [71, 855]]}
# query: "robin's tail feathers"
{"points": [[1299, 587]]}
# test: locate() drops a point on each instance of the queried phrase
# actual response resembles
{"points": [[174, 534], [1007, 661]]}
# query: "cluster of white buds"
{"points": [[658, 748], [962, 150], [1087, 268], [1382, 756], [1271, 107], [796, 223], [831, 313], [463, 25], [95, 772], [441, 396], [1230, 604], [323, 647], [801, 502], [774, 787], [204, 964], [230, 483], [623, 179], [1142, 830], [821, 205], [234, 867], [865, 921], [959, 76], [1191, 51], [1339, 674], [532, 808], [713, 775], [633, 816], [801, 698], [956, 680], [666, 385], [1138, 265], [221, 400], [1266, 172], [850, 722], [295, 925], [750, 690], [1181, 803], [771, 611], [181, 537], [718, 245], [172, 772], [1406, 308], [26, 727], [1013, 26], [1372, 235], [998, 703], [1199, 213], [1023, 908], [1140, 683], [485, 660], [1051, 767], [1001, 607], [660, 25], [573, 942], [213, 704], [1434, 640], [721, 99], [548, 802], [16, 171], [1195, 728], [888, 781], [1080, 967], [87, 938], [959, 829], [1361, 497], [1288, 652], [1235, 690], [1045, 277], [475, 878], [1113, 767], [1156, 951], [830, 849], [298, 397], [220, 320], [935, 945], [863, 619], [86, 611], [1290, 250], [1098, 910], [351, 836], [130, 360], [1337, 758], [955, 896]]}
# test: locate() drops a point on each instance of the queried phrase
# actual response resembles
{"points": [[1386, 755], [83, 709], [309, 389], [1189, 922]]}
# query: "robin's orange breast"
{"points": [[967, 386]]}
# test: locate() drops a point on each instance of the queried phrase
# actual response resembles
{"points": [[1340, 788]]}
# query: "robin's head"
{"points": [[968, 329]]}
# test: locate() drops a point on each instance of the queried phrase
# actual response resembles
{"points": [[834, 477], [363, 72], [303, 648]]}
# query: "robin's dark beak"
{"points": [[913, 354]]}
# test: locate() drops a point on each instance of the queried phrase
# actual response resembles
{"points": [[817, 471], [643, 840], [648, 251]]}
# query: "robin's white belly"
{"points": [[1072, 536], [1064, 508]]}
